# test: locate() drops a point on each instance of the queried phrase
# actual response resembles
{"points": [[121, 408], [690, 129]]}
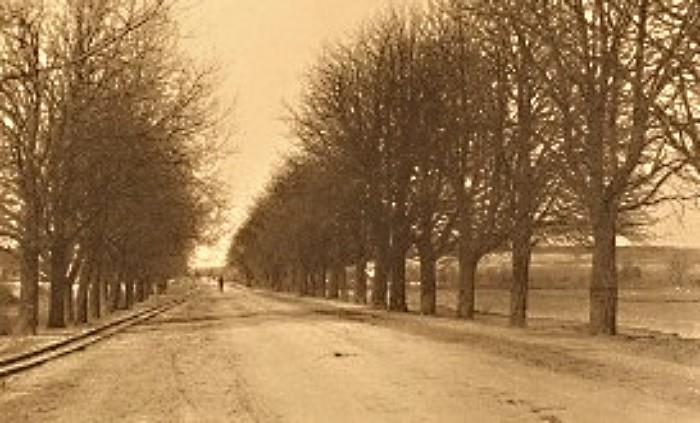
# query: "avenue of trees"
{"points": [[476, 126], [103, 134]]}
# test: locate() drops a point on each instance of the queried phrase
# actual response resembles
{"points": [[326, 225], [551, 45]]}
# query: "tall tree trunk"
{"points": [[273, 280], [29, 287], [96, 293], [69, 297], [333, 283], [115, 293], [302, 280], [521, 274], [129, 294], [294, 279], [84, 282], [313, 283], [467, 282], [69, 301], [360, 288], [428, 277], [140, 291], [604, 289], [107, 286], [321, 282], [342, 282], [380, 281], [399, 247], [397, 297], [59, 265], [523, 183], [287, 280], [279, 281], [32, 213], [381, 268]]}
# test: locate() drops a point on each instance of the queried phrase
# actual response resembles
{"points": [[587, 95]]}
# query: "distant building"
{"points": [[9, 268]]}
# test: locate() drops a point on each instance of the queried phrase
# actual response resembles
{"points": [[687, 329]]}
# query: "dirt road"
{"points": [[246, 356]]}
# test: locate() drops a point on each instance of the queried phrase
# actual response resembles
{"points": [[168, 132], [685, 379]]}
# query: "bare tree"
{"points": [[89, 83], [610, 65], [22, 127]]}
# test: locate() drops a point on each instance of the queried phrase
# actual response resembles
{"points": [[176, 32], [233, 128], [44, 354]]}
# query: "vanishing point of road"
{"points": [[250, 356]]}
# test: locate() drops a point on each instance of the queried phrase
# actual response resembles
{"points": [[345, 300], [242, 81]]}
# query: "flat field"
{"points": [[659, 287], [662, 310]]}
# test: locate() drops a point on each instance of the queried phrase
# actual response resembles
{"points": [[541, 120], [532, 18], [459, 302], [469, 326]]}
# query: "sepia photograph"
{"points": [[340, 211]]}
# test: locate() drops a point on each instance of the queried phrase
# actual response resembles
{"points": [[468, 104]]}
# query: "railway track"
{"points": [[22, 362]]}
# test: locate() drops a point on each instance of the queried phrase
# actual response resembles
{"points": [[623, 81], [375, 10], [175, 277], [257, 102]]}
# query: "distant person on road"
{"points": [[221, 283]]}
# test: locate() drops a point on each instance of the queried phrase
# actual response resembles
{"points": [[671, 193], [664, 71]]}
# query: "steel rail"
{"points": [[36, 357]]}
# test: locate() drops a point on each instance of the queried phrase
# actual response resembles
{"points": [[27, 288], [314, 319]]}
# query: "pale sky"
{"points": [[263, 48]]}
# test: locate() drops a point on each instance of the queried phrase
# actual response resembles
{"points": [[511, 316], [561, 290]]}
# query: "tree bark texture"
{"points": [[69, 297], [428, 278], [604, 288], [129, 293], [59, 266], [334, 282], [84, 282], [302, 280], [321, 282], [397, 297], [29, 288], [400, 242], [140, 290], [523, 195], [342, 282], [115, 294], [467, 283], [313, 283], [96, 294], [381, 269], [520, 283]]}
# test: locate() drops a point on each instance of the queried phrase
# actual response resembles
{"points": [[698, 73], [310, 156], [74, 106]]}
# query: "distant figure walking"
{"points": [[221, 283]]}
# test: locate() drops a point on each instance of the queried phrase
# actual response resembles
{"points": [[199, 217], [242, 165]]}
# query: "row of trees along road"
{"points": [[472, 126], [103, 133]]}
